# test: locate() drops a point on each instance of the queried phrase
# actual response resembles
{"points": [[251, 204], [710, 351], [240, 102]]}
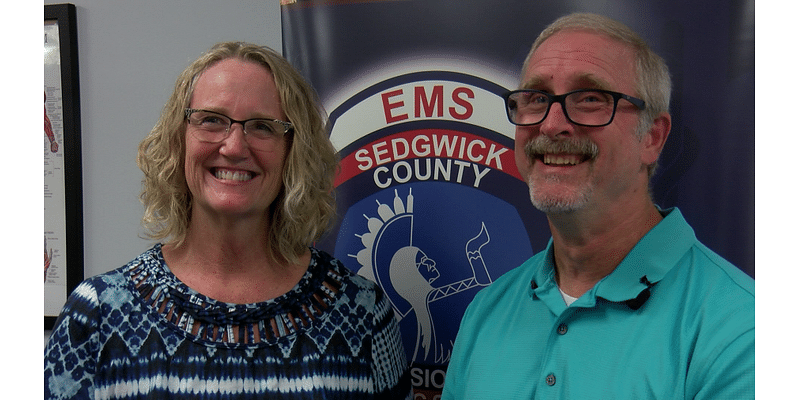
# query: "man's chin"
{"points": [[554, 208], [559, 203]]}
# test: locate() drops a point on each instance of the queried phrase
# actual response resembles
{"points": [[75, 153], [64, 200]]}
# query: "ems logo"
{"points": [[429, 193]]}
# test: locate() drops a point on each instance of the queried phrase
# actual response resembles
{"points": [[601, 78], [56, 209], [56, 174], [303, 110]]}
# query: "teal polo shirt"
{"points": [[673, 321]]}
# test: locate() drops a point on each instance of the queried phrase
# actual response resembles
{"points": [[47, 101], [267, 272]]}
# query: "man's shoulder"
{"points": [[717, 297], [715, 267], [695, 261]]}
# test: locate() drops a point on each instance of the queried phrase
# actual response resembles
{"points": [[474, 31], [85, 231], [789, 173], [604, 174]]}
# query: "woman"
{"points": [[234, 304]]}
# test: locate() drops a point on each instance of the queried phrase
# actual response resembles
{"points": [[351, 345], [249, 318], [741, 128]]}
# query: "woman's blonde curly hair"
{"points": [[305, 207]]}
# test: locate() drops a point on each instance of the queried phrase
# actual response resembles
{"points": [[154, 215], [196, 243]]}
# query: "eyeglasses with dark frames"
{"points": [[584, 107], [214, 127]]}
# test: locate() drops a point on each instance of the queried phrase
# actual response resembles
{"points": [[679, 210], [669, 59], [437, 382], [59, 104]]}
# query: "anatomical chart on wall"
{"points": [[55, 251]]}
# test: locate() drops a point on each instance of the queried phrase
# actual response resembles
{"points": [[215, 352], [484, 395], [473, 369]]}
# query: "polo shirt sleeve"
{"points": [[731, 375]]}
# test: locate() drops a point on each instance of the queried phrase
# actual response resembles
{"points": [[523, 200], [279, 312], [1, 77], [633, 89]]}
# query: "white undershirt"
{"points": [[567, 298]]}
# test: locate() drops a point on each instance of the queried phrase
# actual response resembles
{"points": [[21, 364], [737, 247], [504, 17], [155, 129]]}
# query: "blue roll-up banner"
{"points": [[431, 204]]}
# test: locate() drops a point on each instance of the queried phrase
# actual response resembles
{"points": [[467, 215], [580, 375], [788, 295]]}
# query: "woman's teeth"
{"points": [[235, 176]]}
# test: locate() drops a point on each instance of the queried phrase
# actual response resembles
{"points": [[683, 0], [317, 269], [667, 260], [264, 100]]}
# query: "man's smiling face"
{"points": [[567, 166]]}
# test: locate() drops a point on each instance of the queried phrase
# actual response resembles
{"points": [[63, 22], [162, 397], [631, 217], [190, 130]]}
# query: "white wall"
{"points": [[130, 52]]}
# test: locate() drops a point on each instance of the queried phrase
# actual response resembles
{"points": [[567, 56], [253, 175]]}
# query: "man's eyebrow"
{"points": [[591, 81], [534, 82], [582, 81]]}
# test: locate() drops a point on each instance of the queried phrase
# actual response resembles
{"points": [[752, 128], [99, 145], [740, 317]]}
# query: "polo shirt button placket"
{"points": [[550, 380], [562, 329]]}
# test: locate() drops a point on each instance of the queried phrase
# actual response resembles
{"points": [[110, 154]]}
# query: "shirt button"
{"points": [[551, 380], [562, 329]]}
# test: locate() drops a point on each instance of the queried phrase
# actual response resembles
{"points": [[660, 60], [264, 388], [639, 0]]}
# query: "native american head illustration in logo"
{"points": [[411, 279]]}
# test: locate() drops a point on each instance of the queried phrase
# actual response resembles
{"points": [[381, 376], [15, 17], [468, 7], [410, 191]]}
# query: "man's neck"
{"points": [[588, 246]]}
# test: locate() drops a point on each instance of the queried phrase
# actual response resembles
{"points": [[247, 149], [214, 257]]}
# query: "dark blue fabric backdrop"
{"points": [[358, 53]]}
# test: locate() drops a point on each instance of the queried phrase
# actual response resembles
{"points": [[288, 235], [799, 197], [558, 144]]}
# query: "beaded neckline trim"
{"points": [[212, 321]]}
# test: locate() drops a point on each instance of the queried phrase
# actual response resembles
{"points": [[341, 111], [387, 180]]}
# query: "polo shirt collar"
{"points": [[646, 264]]}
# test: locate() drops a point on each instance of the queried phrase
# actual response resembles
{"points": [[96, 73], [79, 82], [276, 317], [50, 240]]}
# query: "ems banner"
{"points": [[431, 205]]}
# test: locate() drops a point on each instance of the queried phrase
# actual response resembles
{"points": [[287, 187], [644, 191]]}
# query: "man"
{"points": [[624, 303]]}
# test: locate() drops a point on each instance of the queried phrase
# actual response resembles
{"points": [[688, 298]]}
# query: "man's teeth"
{"points": [[236, 176], [561, 159]]}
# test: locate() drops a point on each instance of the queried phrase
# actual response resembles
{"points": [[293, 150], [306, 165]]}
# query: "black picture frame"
{"points": [[64, 15]]}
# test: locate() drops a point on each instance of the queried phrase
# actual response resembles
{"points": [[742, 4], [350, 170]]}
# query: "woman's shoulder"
{"points": [[350, 280], [357, 298], [325, 259], [113, 285]]}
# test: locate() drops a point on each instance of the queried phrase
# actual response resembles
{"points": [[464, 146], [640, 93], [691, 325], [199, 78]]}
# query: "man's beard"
{"points": [[566, 201], [560, 203]]}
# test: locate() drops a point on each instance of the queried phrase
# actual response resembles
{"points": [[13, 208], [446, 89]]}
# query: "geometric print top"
{"points": [[139, 333]]}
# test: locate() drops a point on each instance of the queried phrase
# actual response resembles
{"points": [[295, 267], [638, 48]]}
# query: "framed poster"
{"points": [[63, 188]]}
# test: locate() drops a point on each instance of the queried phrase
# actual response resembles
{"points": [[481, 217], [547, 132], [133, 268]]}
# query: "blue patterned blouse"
{"points": [[138, 332]]}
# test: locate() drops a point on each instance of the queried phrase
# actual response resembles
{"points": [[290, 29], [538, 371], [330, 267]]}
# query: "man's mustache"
{"points": [[542, 144]]}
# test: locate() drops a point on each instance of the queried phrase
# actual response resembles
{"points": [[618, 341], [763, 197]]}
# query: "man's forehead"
{"points": [[583, 59]]}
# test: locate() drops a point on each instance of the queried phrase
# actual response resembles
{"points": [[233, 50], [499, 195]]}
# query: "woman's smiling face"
{"points": [[230, 178]]}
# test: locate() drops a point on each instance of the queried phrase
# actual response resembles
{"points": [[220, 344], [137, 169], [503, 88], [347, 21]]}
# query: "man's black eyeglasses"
{"points": [[584, 107]]}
